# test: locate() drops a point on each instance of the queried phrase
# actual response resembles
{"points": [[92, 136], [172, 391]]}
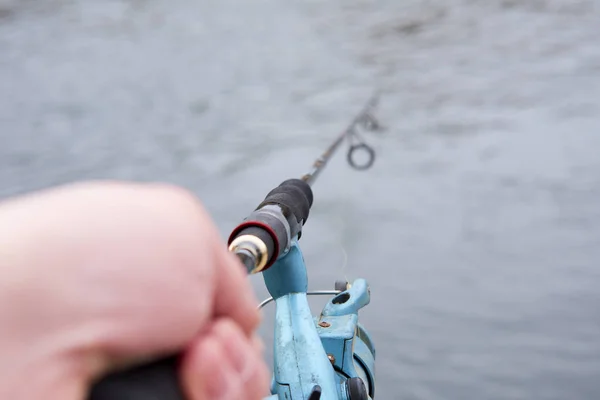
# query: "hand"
{"points": [[103, 275]]}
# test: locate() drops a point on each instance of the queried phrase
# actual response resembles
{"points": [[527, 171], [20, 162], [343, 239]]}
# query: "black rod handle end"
{"points": [[157, 380]]}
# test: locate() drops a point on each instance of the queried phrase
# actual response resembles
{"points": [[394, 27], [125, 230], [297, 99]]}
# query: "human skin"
{"points": [[102, 275]]}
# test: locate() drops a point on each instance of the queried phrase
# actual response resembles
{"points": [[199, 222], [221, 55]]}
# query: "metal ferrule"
{"points": [[255, 246]]}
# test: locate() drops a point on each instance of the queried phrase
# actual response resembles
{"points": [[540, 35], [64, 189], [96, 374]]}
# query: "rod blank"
{"points": [[364, 118]]}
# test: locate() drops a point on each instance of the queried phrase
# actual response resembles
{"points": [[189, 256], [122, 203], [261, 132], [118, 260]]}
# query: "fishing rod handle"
{"points": [[157, 380], [268, 231]]}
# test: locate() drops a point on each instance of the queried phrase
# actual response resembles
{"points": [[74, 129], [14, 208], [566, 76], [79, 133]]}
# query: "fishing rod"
{"points": [[326, 357], [267, 233], [365, 119]]}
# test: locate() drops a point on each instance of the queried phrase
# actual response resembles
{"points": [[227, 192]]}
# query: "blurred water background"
{"points": [[478, 227]]}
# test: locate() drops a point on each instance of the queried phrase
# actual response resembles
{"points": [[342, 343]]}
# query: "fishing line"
{"points": [[357, 147], [342, 269], [341, 229]]}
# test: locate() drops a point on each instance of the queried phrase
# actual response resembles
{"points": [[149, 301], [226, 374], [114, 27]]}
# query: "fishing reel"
{"points": [[346, 343]]}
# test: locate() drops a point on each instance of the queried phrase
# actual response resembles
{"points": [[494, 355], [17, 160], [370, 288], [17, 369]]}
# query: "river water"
{"points": [[478, 227]]}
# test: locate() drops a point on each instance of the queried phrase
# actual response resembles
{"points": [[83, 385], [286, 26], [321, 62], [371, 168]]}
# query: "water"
{"points": [[478, 228]]}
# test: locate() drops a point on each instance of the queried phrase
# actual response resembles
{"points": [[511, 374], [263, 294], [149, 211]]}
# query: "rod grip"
{"points": [[157, 380], [278, 218], [294, 196]]}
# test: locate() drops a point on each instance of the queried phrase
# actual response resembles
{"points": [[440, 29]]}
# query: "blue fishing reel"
{"points": [[326, 357]]}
